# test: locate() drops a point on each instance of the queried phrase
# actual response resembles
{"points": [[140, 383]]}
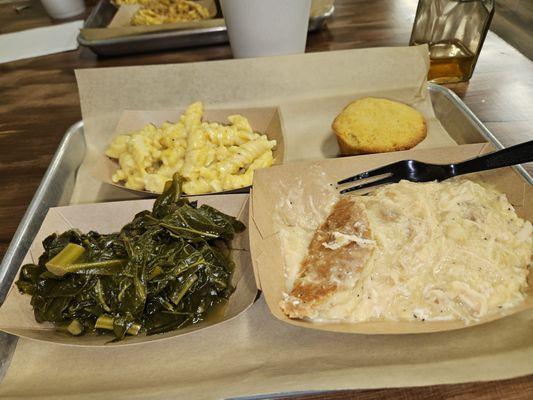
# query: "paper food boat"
{"points": [[16, 314], [264, 120], [272, 184]]}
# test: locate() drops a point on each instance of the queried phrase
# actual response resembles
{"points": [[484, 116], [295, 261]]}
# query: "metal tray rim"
{"points": [[150, 36], [17, 245], [17, 248], [481, 127]]}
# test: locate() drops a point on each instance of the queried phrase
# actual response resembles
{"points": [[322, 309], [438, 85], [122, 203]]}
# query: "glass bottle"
{"points": [[455, 31]]}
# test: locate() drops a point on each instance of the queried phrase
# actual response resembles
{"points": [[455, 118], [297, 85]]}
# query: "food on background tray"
{"points": [[376, 125], [211, 157], [123, 2], [409, 251], [157, 12], [164, 270]]}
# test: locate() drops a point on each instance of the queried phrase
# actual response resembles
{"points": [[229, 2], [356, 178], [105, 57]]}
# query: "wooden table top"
{"points": [[40, 101]]}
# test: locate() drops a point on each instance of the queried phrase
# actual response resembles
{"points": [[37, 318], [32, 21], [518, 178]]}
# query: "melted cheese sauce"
{"points": [[298, 214], [440, 251]]}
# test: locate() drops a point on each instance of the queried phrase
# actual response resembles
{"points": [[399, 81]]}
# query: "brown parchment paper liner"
{"points": [[309, 89], [16, 314], [272, 185], [266, 120], [120, 24]]}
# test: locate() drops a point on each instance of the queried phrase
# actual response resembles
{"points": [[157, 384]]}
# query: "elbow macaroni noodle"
{"points": [[157, 12], [209, 156]]}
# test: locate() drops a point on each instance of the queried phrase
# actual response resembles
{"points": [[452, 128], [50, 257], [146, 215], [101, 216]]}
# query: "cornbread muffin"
{"points": [[374, 125]]}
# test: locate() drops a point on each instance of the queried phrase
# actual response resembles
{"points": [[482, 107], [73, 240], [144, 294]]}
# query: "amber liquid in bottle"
{"points": [[450, 61], [454, 31]]}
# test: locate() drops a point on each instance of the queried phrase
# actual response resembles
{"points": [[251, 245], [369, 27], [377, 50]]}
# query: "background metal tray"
{"points": [[58, 183], [104, 11]]}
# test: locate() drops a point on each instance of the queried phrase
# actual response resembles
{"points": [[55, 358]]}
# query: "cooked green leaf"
{"points": [[164, 270]]}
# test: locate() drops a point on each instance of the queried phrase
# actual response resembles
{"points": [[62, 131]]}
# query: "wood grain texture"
{"points": [[34, 16], [500, 390], [39, 101]]}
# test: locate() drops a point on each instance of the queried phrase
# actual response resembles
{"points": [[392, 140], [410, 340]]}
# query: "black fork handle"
{"points": [[518, 154]]}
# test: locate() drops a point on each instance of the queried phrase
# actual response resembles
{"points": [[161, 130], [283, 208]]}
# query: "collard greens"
{"points": [[162, 271]]}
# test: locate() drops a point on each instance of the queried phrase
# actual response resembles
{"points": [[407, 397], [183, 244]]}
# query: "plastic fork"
{"points": [[417, 171]]}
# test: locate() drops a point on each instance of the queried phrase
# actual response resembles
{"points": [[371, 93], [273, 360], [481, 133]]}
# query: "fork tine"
{"points": [[369, 174], [389, 179]]}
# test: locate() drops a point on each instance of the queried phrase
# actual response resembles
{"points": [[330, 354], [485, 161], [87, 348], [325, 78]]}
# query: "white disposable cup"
{"points": [[259, 28], [61, 9]]}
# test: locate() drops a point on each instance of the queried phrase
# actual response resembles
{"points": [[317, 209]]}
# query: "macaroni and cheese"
{"points": [[211, 157]]}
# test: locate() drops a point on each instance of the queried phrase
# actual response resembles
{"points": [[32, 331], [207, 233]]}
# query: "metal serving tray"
{"points": [[58, 183], [104, 12]]}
